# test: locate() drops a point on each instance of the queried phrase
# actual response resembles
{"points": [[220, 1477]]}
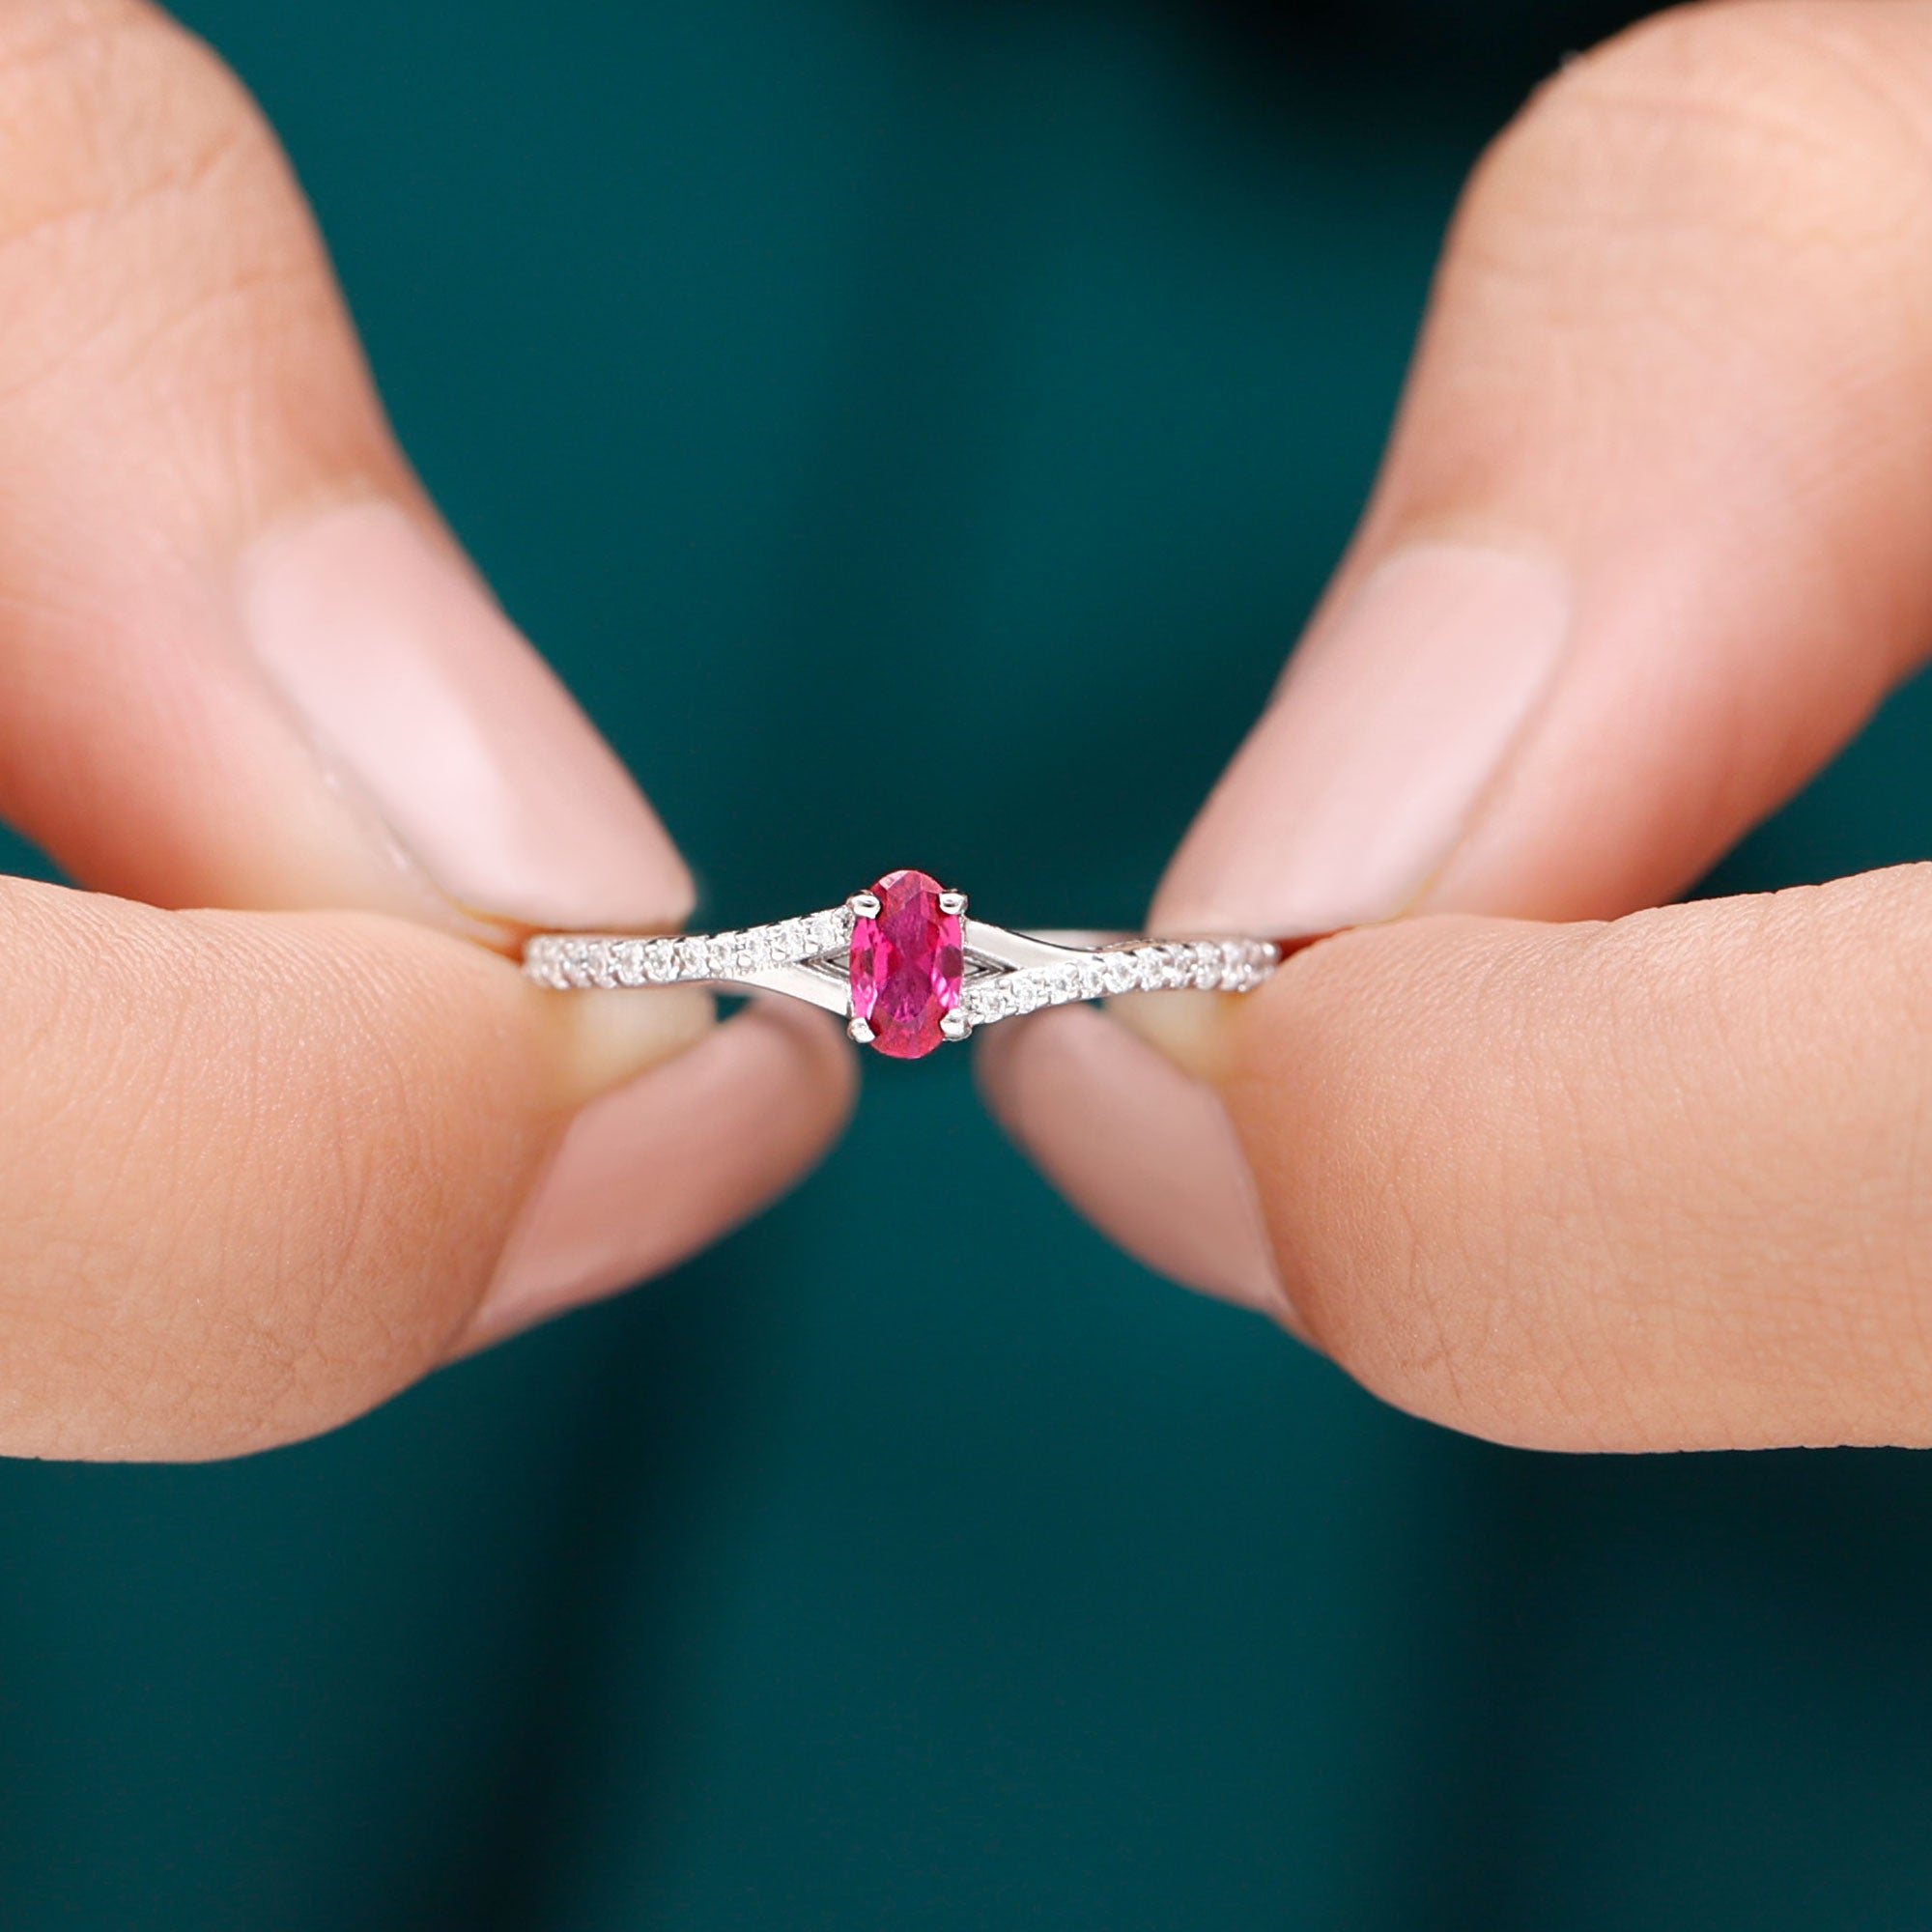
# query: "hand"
{"points": [[1650, 542], [259, 1167]]}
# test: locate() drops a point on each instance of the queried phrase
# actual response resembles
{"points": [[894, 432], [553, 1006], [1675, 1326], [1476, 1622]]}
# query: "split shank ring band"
{"points": [[902, 965]]}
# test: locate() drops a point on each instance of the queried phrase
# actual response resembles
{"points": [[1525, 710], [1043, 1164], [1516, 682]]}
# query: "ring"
{"points": [[903, 966]]}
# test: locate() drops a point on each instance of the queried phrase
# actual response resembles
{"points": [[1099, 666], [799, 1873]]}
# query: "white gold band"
{"points": [[1004, 974]]}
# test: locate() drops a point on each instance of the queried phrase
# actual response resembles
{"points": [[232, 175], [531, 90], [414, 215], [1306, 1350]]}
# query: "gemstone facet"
{"points": [[906, 965]]}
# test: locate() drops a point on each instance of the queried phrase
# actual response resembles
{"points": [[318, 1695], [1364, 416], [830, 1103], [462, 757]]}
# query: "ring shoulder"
{"points": [[1071, 975], [791, 955]]}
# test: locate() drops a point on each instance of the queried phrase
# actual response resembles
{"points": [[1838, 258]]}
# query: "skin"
{"points": [[1661, 1181], [261, 1167], [1653, 1182]]}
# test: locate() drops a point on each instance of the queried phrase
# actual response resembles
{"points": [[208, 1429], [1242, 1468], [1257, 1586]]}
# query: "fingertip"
{"points": [[1139, 1146], [425, 706], [1376, 758], [605, 1039], [656, 1169], [1191, 1028]]}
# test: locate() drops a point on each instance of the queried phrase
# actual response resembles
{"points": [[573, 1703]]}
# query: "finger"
{"points": [[1655, 1184], [245, 665], [1111, 1122], [1648, 542], [713, 1135], [258, 1171]]}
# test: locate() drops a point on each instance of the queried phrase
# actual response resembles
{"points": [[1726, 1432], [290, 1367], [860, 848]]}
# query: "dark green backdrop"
{"points": [[1018, 367]]}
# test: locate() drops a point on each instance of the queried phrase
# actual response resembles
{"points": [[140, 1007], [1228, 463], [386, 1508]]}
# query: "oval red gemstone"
{"points": [[906, 965]]}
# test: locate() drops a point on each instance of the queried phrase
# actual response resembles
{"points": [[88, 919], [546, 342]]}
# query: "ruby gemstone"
{"points": [[906, 966]]}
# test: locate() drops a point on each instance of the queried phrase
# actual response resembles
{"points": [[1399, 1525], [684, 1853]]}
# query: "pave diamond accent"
{"points": [[572, 962], [1146, 966]]}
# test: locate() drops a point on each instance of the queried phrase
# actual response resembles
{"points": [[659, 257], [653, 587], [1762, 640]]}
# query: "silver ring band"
{"points": [[975, 972]]}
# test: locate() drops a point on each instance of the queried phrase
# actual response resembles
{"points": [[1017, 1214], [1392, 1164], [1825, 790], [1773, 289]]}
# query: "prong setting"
{"points": [[953, 903], [864, 905], [860, 1031], [955, 1026]]}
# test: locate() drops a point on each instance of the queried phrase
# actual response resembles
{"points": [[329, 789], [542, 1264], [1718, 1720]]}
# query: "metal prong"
{"points": [[864, 905], [955, 1026], [953, 903], [860, 1031]]}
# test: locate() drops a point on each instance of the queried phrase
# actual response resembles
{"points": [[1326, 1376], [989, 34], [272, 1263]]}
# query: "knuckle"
{"points": [[1715, 228], [141, 191], [107, 103], [1762, 116]]}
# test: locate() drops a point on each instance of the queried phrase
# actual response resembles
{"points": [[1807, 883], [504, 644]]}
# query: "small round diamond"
{"points": [[985, 1003]]}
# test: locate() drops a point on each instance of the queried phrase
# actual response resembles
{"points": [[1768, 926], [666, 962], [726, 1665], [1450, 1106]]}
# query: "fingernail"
{"points": [[1189, 1028], [1393, 721], [1144, 1151], [655, 1170], [606, 1038], [420, 695]]}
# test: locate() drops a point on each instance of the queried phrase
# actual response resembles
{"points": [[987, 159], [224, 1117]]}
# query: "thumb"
{"points": [[259, 1170], [1655, 1183]]}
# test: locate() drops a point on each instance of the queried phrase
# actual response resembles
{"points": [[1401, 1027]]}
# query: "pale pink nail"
{"points": [[1352, 791], [420, 695], [1145, 1153]]}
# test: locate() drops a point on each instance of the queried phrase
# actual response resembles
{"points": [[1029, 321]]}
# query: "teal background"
{"points": [[1017, 370]]}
